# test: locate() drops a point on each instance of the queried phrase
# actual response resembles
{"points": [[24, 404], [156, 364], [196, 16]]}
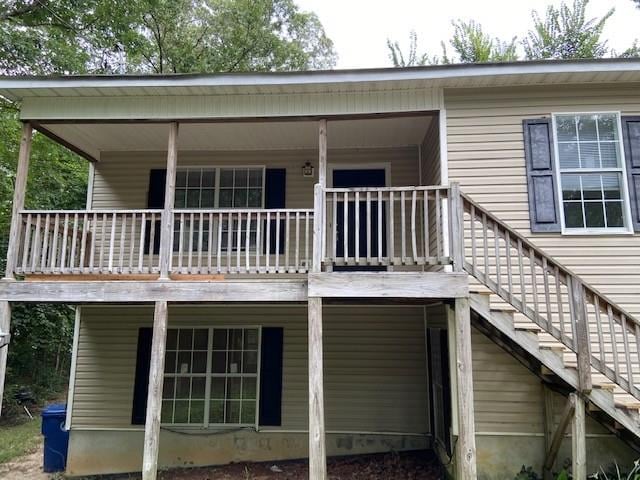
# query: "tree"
{"points": [[473, 45], [412, 58], [565, 32]]}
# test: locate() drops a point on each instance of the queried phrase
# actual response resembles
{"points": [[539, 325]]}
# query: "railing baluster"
{"points": [[286, 240], [485, 246], [523, 292], [112, 241], [345, 227], [534, 282], [391, 251], [425, 225], [123, 236], [403, 229], [414, 239], [438, 221], [474, 262], [180, 242], [297, 259], [380, 227], [200, 240], [258, 241], [368, 226], [334, 210], [357, 226], [103, 234], [132, 241], [210, 243], [496, 242], [614, 343], [507, 244], [306, 242], [219, 245], [63, 252], [25, 243], [277, 261], [152, 241], [547, 290], [627, 352], [268, 242], [247, 241], [143, 231], [35, 251], [54, 242], [190, 251], [45, 244], [239, 242], [596, 304]]}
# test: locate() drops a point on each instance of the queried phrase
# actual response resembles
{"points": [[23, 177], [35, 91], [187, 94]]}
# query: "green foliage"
{"points": [[565, 32], [19, 439], [613, 473], [412, 58], [472, 44]]}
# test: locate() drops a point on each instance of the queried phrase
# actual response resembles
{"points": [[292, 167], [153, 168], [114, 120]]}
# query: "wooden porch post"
{"points": [[166, 236], [18, 199], [578, 438], [154, 395], [322, 153], [466, 445], [5, 322]]}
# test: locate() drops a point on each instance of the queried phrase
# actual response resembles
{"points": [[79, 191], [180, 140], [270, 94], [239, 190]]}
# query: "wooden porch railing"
{"points": [[385, 226], [88, 242], [602, 334], [242, 241]]}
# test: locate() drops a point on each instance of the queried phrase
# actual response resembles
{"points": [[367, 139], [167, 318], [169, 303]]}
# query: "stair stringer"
{"points": [[602, 399]]}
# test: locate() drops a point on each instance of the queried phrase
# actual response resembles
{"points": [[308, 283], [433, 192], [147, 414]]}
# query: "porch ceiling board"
{"points": [[439, 285], [276, 290]]}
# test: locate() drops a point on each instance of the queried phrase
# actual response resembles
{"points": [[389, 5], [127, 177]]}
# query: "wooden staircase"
{"points": [[576, 339]]}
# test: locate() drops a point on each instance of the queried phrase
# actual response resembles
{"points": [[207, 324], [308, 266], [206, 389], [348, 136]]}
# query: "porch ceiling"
{"points": [[94, 138]]}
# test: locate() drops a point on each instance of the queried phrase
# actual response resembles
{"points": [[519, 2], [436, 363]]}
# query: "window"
{"points": [[591, 172], [211, 376], [195, 188], [240, 188]]}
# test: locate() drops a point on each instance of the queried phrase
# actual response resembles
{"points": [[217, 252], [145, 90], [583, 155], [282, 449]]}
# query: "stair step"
{"points": [[553, 348], [628, 404], [610, 387], [528, 328]]}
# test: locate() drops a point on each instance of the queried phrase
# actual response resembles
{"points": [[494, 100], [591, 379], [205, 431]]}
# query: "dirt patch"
{"points": [[28, 467]]}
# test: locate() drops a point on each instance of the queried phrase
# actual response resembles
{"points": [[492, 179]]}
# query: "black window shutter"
{"points": [[541, 175], [631, 140], [275, 192], [155, 199], [141, 383], [271, 377]]}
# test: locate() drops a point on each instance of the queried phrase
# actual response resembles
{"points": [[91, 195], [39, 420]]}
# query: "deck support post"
{"points": [[5, 323], [466, 445], [20, 187], [154, 395], [322, 152], [166, 235], [578, 438], [317, 450]]}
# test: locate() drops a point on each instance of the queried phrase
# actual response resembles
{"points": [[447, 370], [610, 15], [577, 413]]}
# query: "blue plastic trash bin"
{"points": [[56, 438]]}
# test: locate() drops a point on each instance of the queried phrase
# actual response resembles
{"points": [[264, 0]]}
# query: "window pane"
{"points": [[167, 388], [233, 388], [198, 387], [172, 339], [200, 338], [219, 362], [181, 412], [193, 199], [233, 412], [248, 412], [255, 198], [591, 187], [235, 362], [218, 388], [241, 179], [199, 362], [573, 215], [197, 412], [594, 214], [571, 187], [568, 155], [589, 155], [166, 414], [235, 339], [240, 198], [193, 178], [614, 214], [219, 339], [183, 387], [181, 198], [226, 177], [609, 153], [170, 362], [248, 388], [255, 178], [208, 178], [611, 186], [251, 339], [225, 198], [566, 128], [250, 362], [184, 362], [608, 127], [207, 198], [181, 178], [587, 128], [185, 339], [216, 411]]}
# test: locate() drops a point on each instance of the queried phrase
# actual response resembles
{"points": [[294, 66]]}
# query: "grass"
{"points": [[19, 439]]}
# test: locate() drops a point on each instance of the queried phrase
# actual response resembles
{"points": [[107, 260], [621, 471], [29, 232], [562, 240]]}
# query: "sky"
{"points": [[360, 28]]}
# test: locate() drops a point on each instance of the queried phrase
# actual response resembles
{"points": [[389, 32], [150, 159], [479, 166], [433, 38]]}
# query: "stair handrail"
{"points": [[584, 300]]}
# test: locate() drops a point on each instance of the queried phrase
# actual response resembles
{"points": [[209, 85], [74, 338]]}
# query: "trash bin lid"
{"points": [[55, 410]]}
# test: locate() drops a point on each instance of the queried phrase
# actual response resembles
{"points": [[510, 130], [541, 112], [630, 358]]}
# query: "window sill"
{"points": [[596, 232]]}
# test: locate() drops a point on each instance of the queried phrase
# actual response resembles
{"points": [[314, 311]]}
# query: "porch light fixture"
{"points": [[307, 170]]}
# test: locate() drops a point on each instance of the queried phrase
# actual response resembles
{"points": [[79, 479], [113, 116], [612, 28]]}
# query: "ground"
{"points": [[406, 466]]}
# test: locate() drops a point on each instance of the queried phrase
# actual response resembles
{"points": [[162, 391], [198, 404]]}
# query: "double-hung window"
{"points": [[217, 187], [211, 376], [592, 179]]}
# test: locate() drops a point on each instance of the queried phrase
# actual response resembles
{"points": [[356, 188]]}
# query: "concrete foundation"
{"points": [[94, 452]]}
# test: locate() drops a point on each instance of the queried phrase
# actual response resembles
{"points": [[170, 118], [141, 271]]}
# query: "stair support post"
{"points": [[154, 395], [578, 438], [5, 324], [456, 226], [581, 335], [466, 444]]}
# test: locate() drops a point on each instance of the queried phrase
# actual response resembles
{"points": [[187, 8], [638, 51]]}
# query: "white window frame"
{"points": [[626, 206], [216, 187], [209, 375]]}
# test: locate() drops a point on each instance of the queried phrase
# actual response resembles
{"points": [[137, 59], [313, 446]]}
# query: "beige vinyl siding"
{"points": [[375, 373], [486, 155], [122, 179]]}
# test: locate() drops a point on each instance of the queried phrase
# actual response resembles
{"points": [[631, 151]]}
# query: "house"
{"points": [[283, 265]]}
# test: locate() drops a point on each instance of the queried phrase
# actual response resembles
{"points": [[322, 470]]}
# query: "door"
{"points": [[352, 178]]}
